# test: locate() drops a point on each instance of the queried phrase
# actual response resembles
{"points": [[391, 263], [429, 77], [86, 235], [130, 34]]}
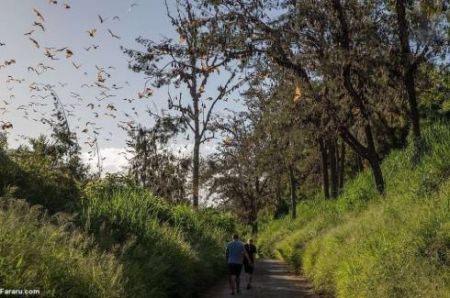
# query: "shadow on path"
{"points": [[271, 279]]}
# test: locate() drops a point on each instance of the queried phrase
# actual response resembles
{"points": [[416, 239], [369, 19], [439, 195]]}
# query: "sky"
{"points": [[68, 26]]}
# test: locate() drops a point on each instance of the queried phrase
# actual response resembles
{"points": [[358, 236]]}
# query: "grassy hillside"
{"points": [[33, 176], [35, 253], [124, 242], [166, 250], [366, 245]]}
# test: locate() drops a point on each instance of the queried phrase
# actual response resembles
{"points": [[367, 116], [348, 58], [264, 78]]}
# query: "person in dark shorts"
{"points": [[235, 255], [249, 265]]}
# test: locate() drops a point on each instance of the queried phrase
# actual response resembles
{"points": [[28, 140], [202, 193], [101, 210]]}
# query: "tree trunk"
{"points": [[293, 192], [409, 70], [374, 160], [195, 173], [145, 161], [324, 156], [254, 209], [377, 173], [359, 163], [196, 156], [342, 166], [333, 167], [369, 153], [278, 190], [254, 228], [358, 99], [338, 163], [253, 217]]}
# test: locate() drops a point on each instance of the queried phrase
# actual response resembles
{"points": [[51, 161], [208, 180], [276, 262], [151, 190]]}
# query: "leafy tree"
{"points": [[190, 64], [424, 24], [49, 171], [153, 165], [435, 97], [236, 173], [281, 131], [302, 37], [342, 53], [34, 173]]}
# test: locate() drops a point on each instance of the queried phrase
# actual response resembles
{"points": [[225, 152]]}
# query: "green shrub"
{"points": [[31, 176], [35, 254]]}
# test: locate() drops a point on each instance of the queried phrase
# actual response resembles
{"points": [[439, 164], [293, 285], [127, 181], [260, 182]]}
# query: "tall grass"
{"points": [[139, 245], [366, 245], [36, 254], [166, 250]]}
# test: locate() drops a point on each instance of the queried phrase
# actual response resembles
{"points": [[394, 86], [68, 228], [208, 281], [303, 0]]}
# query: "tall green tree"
{"points": [[312, 40], [190, 64], [153, 164], [236, 173], [422, 25]]}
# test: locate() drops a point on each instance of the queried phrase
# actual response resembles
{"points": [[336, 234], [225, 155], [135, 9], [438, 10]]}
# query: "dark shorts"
{"points": [[234, 269], [248, 268]]}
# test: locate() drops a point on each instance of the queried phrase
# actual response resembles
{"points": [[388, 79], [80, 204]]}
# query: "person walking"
{"points": [[249, 265], [235, 255]]}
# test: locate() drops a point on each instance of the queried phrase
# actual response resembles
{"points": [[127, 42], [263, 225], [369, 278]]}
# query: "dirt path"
{"points": [[272, 279]]}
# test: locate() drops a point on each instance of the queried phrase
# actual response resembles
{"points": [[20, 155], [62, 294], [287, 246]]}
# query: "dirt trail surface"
{"points": [[272, 278]]}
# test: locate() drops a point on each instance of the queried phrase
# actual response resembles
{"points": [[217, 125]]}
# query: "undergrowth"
{"points": [[166, 250], [122, 242], [367, 245], [44, 253]]}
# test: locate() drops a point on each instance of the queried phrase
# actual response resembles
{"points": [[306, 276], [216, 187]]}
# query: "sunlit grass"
{"points": [[139, 246], [35, 254], [166, 250], [364, 245]]}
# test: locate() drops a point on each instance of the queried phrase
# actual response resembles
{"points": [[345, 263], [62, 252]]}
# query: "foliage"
{"points": [[49, 171], [149, 238], [37, 254], [35, 174], [192, 62], [367, 245], [342, 53], [435, 100], [236, 175], [166, 250], [321, 76], [153, 165]]}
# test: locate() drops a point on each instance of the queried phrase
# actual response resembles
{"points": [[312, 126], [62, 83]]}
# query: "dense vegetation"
{"points": [[166, 251], [331, 120], [101, 237], [367, 245], [38, 252]]}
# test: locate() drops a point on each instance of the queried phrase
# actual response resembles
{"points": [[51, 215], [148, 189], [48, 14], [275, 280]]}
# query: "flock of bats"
{"points": [[41, 93]]}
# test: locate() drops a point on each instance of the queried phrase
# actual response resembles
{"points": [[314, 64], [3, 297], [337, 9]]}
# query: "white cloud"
{"points": [[186, 149], [114, 160]]}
